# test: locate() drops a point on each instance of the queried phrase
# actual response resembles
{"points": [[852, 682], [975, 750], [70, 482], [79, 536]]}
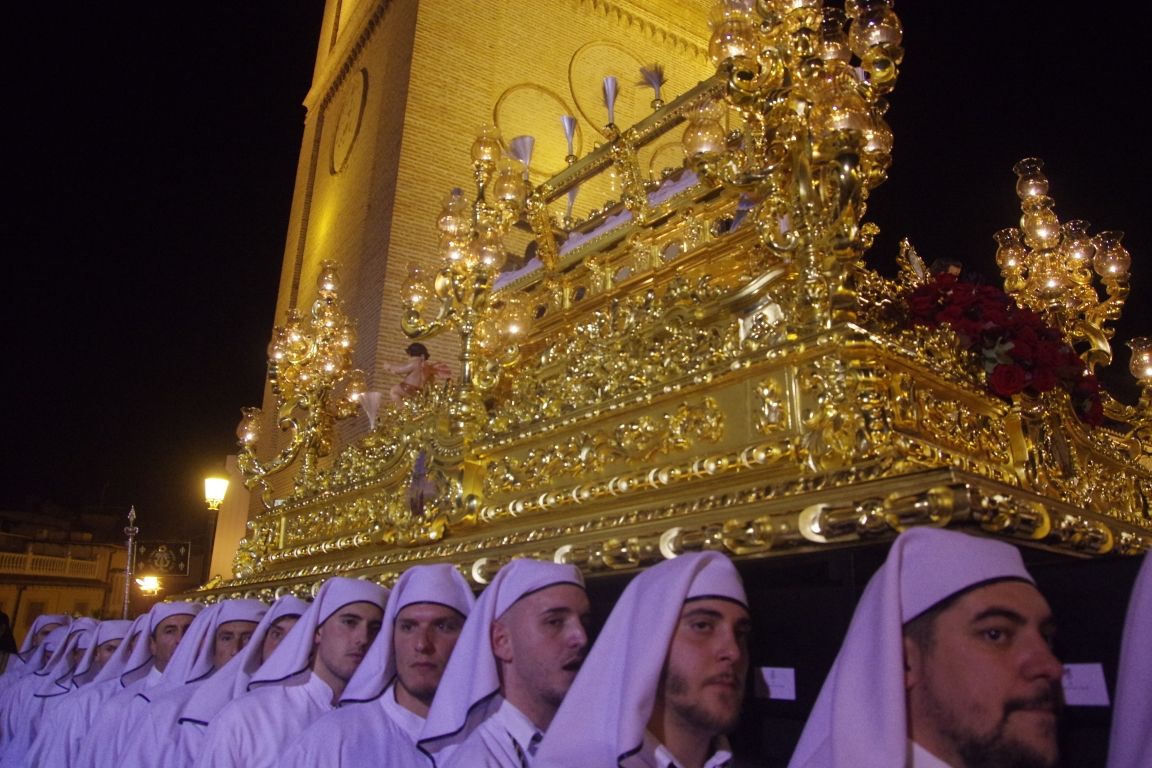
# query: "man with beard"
{"points": [[665, 681], [517, 655], [947, 662], [384, 706]]}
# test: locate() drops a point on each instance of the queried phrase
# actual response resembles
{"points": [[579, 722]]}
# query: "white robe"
{"points": [[155, 739], [922, 758], [379, 732], [253, 730], [21, 718], [99, 746], [64, 727], [506, 739], [653, 754]]}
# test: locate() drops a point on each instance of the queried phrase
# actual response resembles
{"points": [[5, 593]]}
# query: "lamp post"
{"points": [[215, 489], [130, 531]]}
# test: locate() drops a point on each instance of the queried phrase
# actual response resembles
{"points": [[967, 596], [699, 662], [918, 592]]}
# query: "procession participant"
{"points": [[947, 662], [665, 681], [384, 706], [65, 725], [517, 655], [106, 638], [20, 711], [303, 678], [136, 665], [187, 736], [1130, 744], [214, 637], [17, 664], [162, 645]]}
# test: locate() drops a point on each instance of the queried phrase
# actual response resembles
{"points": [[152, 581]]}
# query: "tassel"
{"points": [[610, 88], [653, 77], [569, 123], [520, 148]]}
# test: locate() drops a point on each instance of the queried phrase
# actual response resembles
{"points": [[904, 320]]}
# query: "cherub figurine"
{"points": [[417, 372]]}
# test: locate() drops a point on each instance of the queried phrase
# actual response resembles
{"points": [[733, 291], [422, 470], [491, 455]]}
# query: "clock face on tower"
{"points": [[348, 119]]}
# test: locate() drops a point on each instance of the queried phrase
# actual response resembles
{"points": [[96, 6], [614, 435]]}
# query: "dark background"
{"points": [[151, 153]]}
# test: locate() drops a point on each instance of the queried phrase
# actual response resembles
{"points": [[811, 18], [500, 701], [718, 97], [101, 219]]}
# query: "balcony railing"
{"points": [[29, 564]]}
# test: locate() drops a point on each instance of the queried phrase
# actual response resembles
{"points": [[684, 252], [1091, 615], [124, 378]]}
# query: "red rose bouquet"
{"points": [[1019, 352]]}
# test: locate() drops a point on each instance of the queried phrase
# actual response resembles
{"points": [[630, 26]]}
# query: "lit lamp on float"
{"points": [[471, 250], [809, 84], [1053, 268], [311, 375], [1141, 367]]}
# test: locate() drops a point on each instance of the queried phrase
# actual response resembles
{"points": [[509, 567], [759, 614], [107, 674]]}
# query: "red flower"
{"points": [[1043, 379], [1018, 349], [1007, 380]]}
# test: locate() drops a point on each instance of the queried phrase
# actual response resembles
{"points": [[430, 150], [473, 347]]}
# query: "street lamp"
{"points": [[214, 490], [149, 585]]}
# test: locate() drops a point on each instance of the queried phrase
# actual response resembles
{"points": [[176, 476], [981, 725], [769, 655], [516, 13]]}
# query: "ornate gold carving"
{"points": [[710, 365]]}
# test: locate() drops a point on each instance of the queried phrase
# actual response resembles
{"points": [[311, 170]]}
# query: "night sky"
{"points": [[151, 156]]}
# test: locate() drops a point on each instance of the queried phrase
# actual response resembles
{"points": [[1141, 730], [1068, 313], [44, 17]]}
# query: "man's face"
{"points": [[43, 632], [104, 652], [702, 684], [422, 641], [277, 632], [166, 637], [231, 637], [986, 689], [542, 640], [344, 637]]}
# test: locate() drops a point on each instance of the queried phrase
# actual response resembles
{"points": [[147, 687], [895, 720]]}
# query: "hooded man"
{"points": [[136, 665], [105, 639], [213, 638], [947, 662], [516, 657], [186, 735], [665, 680], [384, 706], [99, 747], [42, 625], [21, 710], [303, 678], [1130, 745]]}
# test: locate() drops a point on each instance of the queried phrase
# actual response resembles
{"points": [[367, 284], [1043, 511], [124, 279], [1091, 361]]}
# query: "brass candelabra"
{"points": [[807, 85], [1059, 269], [311, 375], [460, 294]]}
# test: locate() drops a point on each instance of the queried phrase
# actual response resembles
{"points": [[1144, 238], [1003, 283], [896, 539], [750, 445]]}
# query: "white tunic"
{"points": [[155, 740], [922, 758], [63, 728], [99, 747], [506, 739], [254, 729], [653, 754], [379, 732]]}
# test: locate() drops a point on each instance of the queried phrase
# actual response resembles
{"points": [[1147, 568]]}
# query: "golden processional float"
{"points": [[709, 363]]}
